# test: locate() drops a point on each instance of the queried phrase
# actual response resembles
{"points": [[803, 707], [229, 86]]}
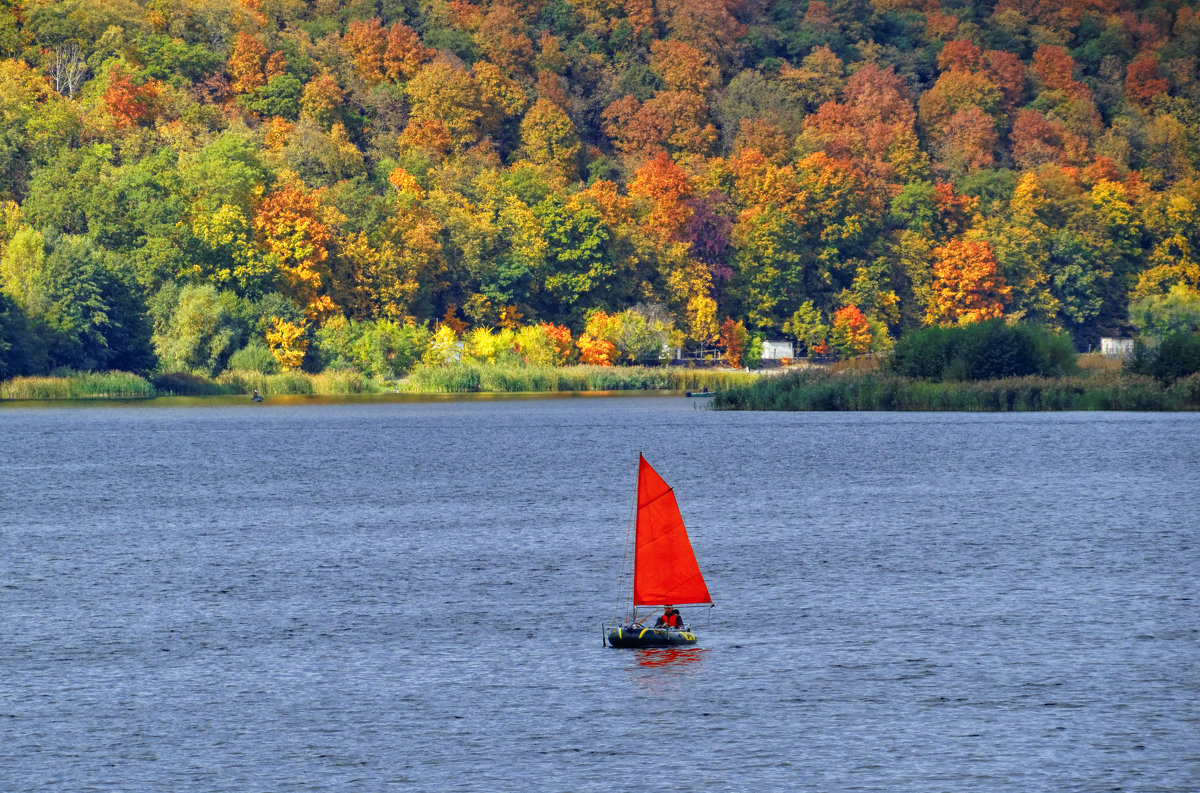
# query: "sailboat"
{"points": [[665, 572]]}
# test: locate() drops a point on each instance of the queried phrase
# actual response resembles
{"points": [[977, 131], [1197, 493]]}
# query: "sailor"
{"points": [[670, 618]]}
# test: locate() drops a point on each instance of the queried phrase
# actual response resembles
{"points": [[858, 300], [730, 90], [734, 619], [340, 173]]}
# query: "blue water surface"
{"points": [[409, 596]]}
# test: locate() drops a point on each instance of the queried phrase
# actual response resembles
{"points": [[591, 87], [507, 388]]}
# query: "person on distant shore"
{"points": [[670, 618]]}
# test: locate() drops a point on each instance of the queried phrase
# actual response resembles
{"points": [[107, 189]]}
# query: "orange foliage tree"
{"points": [[1143, 81], [595, 352], [734, 338], [561, 336], [873, 125], [683, 67], [850, 332], [967, 284], [665, 186], [246, 64], [289, 227], [128, 103], [381, 54]]}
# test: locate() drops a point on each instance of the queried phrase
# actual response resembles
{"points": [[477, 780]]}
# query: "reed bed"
{"points": [[461, 377], [245, 382], [474, 376], [873, 391], [323, 384], [79, 385]]}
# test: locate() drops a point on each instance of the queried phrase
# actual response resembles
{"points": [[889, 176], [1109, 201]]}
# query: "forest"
{"points": [[205, 185]]}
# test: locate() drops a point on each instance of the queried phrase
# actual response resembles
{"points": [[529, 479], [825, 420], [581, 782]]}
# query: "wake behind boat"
{"points": [[665, 572]]}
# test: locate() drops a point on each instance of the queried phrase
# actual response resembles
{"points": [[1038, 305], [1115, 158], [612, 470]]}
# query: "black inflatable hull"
{"points": [[637, 636]]}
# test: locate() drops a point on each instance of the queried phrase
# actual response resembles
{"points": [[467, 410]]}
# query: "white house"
{"points": [[1116, 348], [774, 350]]}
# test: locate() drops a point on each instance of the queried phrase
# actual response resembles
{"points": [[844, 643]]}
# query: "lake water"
{"points": [[406, 595]]}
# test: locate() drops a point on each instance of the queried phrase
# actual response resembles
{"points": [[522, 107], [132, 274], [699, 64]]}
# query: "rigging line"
{"points": [[629, 530]]}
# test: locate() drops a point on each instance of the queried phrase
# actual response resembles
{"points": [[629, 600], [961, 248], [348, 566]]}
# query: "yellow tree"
{"points": [[690, 286], [287, 342], [246, 64], [683, 67], [548, 138], [445, 96]]}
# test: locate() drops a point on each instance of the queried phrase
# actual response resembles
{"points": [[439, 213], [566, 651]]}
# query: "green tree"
{"points": [[1159, 316], [18, 348], [808, 327], [578, 268], [35, 122], [202, 332], [84, 301], [279, 97]]}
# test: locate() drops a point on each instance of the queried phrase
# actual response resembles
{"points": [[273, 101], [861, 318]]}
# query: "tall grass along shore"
{"points": [[462, 377], [473, 376], [1099, 390]]}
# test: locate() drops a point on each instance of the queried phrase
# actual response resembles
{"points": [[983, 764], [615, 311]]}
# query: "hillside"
{"points": [[183, 182]]}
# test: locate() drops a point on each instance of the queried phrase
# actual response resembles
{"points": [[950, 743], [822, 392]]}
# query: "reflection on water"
{"points": [[669, 656]]}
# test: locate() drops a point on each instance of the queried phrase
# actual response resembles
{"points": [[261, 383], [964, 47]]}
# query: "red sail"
{"points": [[664, 570]]}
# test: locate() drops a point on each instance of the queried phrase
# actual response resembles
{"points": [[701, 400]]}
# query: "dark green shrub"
{"points": [[1178, 356], [982, 351]]}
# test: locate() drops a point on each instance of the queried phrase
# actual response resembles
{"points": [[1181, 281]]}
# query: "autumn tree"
{"points": [[549, 138], [289, 226], [1144, 80], [665, 187], [873, 125], [967, 286], [130, 103], [288, 342], [808, 327], [683, 67], [246, 64], [734, 340], [850, 333], [322, 100]]}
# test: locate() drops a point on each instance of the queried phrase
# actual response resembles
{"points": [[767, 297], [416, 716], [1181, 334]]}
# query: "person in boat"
{"points": [[256, 397], [670, 618]]}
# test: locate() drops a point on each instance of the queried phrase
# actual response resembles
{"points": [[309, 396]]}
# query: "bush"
{"points": [[377, 348], [1178, 356], [254, 357], [982, 351]]}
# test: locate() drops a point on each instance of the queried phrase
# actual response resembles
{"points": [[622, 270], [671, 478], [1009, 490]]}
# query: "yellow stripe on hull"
{"points": [[649, 637]]}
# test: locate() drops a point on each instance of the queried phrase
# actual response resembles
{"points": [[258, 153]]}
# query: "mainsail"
{"points": [[664, 569]]}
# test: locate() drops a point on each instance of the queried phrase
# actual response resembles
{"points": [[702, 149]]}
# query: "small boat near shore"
{"points": [[664, 573], [704, 393]]}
